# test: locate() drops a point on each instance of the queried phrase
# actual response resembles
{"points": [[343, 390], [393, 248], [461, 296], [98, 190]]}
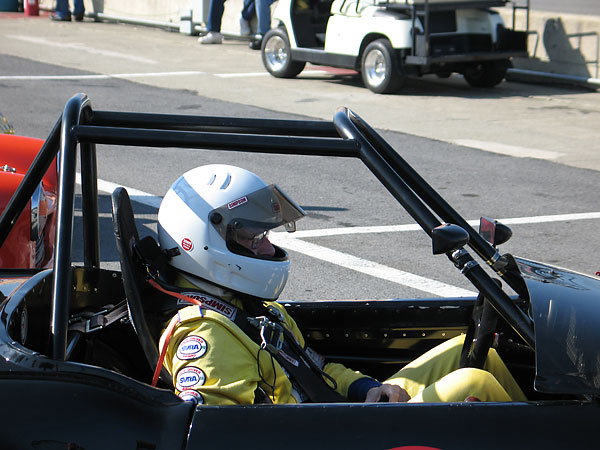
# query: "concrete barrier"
{"points": [[560, 43], [565, 44]]}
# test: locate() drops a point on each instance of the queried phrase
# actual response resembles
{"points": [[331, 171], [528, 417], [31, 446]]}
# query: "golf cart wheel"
{"points": [[277, 55], [486, 74], [379, 68]]}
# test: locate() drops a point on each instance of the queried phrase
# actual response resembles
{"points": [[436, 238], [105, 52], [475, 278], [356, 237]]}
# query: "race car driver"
{"points": [[236, 345]]}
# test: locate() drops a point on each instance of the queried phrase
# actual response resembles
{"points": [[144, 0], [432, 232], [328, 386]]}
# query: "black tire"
{"points": [[277, 55], [379, 68], [486, 74]]}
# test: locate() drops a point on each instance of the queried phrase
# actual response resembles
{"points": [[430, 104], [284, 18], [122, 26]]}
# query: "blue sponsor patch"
{"points": [[192, 347], [191, 396], [189, 378]]}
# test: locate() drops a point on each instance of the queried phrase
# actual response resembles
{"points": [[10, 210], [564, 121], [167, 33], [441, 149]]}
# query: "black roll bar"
{"points": [[296, 145], [215, 124], [81, 125], [416, 196], [76, 110], [433, 200]]}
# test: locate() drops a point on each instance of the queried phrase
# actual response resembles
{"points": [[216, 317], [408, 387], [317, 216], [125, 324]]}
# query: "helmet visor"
{"points": [[248, 219]]}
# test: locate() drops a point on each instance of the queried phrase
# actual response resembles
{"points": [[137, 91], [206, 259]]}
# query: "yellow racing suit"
{"points": [[213, 361]]}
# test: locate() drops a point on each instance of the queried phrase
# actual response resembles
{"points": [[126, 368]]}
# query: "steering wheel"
{"points": [[480, 334], [419, 199]]}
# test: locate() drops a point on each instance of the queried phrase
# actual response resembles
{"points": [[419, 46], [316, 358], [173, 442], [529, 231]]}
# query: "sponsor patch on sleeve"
{"points": [[192, 347], [189, 378], [190, 395]]}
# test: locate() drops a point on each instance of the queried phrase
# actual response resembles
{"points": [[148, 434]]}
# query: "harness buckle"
{"points": [[96, 322], [271, 333]]}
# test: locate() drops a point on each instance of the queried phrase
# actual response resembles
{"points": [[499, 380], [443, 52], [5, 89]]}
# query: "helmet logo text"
{"points": [[238, 202]]}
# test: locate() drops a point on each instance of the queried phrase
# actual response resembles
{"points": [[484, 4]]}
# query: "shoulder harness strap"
{"points": [[271, 335]]}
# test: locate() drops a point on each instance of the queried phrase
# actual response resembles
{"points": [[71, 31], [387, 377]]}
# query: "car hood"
{"points": [[566, 314]]}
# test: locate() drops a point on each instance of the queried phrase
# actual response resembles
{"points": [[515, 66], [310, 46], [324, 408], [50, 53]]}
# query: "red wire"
{"points": [[161, 360], [171, 328], [155, 285]]}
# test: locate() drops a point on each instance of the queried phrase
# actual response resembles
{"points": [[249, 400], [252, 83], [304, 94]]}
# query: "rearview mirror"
{"points": [[494, 232], [448, 237]]}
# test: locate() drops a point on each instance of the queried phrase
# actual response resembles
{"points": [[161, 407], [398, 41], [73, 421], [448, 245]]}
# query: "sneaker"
{"points": [[59, 18], [245, 29], [213, 37], [79, 17], [256, 43]]}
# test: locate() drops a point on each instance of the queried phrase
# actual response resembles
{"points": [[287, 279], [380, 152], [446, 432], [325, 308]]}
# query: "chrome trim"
{"points": [[36, 221]]}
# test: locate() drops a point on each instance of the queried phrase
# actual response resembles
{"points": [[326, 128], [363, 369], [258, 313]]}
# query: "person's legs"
{"points": [[444, 359], [463, 383], [215, 15], [78, 9], [263, 12], [429, 367], [62, 10], [248, 10], [245, 18], [495, 366]]}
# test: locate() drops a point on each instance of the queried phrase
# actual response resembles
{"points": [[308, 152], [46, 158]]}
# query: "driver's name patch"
{"points": [[192, 347], [190, 378], [189, 395], [213, 304]]}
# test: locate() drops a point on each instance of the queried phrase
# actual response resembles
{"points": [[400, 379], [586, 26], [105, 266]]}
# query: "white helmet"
{"points": [[209, 210]]}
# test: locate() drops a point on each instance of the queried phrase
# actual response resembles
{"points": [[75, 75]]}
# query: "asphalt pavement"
{"points": [[548, 122], [527, 153]]}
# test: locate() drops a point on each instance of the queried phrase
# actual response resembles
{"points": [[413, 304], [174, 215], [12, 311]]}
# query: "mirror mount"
{"points": [[448, 237]]}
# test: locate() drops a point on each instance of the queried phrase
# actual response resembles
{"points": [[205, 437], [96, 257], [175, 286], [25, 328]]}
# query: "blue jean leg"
{"points": [[62, 8], [215, 15], [249, 10], [263, 11], [78, 7]]}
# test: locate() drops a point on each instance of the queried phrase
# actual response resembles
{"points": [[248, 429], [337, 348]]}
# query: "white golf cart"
{"points": [[386, 41]]}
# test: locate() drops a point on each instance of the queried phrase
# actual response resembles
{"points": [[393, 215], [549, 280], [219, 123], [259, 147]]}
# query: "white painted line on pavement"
{"points": [[509, 150], [325, 254], [551, 218], [154, 201], [134, 194], [352, 262], [414, 227], [264, 74], [99, 76], [82, 48], [369, 267]]}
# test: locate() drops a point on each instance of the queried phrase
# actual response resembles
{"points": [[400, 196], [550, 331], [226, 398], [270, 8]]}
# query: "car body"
{"points": [[31, 242], [386, 41], [89, 387]]}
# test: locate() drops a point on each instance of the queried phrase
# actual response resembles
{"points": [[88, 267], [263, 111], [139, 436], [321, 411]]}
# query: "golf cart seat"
{"points": [[143, 301]]}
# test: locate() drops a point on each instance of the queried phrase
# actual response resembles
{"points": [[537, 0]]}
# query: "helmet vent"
{"points": [[212, 180], [226, 182]]}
